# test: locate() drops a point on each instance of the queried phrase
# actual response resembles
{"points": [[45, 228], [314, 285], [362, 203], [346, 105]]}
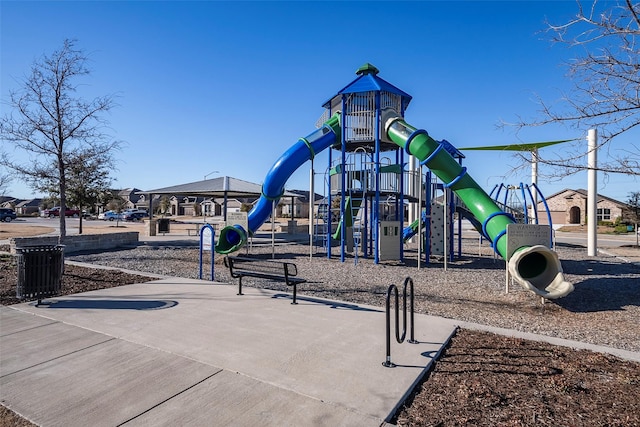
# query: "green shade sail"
{"points": [[525, 146]]}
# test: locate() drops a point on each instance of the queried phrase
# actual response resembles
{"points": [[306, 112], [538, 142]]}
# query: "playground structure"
{"points": [[365, 123], [523, 207]]}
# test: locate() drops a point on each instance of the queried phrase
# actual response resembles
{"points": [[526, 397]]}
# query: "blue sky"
{"points": [[209, 86]]}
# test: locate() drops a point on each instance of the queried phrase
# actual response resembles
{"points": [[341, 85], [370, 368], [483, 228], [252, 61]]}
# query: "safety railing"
{"points": [[393, 290]]}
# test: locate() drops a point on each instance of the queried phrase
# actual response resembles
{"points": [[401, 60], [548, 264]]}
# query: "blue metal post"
{"points": [[375, 220]]}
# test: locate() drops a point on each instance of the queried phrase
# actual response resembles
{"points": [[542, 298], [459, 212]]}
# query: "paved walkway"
{"points": [[186, 352]]}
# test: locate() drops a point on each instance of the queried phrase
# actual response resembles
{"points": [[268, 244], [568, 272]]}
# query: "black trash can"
{"points": [[40, 271], [163, 225]]}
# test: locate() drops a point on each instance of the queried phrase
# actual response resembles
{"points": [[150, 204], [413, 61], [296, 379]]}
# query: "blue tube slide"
{"points": [[233, 237]]}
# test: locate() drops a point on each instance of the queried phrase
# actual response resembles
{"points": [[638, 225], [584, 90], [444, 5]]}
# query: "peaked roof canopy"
{"points": [[368, 81], [216, 187]]}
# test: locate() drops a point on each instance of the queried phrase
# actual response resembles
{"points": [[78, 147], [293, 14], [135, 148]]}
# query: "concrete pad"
{"points": [[22, 350], [104, 385], [12, 321], [231, 399], [329, 351]]}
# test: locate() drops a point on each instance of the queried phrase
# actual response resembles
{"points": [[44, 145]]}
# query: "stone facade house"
{"points": [[570, 207]]}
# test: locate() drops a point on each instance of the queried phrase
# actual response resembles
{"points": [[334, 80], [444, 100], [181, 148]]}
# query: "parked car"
{"points": [[88, 215], [134, 216], [142, 213], [55, 211], [110, 216], [7, 215]]}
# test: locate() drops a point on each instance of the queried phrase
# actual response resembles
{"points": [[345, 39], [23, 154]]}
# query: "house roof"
{"points": [[303, 195], [29, 203], [215, 187]]}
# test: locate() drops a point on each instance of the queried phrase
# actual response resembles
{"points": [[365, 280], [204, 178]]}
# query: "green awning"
{"points": [[525, 146]]}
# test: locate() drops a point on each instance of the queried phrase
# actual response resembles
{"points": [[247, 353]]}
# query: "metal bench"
{"points": [[240, 267], [196, 231]]}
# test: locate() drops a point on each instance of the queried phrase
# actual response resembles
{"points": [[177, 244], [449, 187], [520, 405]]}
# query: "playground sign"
{"points": [[207, 236], [239, 218], [519, 235]]}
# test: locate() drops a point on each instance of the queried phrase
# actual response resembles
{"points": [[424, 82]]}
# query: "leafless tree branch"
{"points": [[606, 83]]}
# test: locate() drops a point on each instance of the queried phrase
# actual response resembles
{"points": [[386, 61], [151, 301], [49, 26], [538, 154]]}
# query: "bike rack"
{"points": [[399, 338]]}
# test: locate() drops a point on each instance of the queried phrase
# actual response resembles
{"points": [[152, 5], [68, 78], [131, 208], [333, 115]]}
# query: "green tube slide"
{"points": [[444, 166], [536, 268]]}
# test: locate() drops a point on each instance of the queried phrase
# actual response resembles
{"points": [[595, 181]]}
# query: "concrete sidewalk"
{"points": [[186, 352]]}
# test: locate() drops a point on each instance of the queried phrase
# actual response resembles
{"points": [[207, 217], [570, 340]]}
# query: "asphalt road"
{"points": [[602, 240]]}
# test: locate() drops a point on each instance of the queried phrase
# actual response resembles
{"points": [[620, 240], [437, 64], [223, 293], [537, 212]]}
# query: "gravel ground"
{"points": [[604, 308]]}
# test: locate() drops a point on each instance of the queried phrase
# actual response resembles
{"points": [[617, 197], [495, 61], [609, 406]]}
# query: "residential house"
{"points": [[28, 207], [570, 207], [186, 205], [298, 203], [132, 198], [8, 202]]}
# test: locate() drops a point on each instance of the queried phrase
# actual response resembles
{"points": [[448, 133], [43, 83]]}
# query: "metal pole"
{"points": [[420, 216], [446, 247], [592, 193], [273, 229], [225, 188], [534, 179], [414, 211], [311, 203]]}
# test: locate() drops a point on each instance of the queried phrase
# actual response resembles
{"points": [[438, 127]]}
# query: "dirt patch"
{"points": [[17, 229], [13, 229]]}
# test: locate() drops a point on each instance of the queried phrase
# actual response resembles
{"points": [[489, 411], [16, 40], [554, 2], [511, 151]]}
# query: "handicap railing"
{"points": [[400, 337]]}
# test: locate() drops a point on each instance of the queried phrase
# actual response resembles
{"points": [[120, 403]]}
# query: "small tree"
{"points": [[634, 207], [87, 178], [165, 205], [117, 204], [48, 121]]}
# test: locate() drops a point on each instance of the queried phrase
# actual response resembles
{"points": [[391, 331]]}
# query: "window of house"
{"points": [[603, 214]]}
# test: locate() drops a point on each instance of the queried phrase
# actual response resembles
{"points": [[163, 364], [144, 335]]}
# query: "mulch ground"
{"points": [[488, 380], [481, 379]]}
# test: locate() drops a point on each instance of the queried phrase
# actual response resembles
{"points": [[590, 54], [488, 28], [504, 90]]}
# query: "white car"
{"points": [[110, 216]]}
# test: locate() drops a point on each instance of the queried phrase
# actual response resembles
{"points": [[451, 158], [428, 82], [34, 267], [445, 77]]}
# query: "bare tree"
{"points": [[606, 84], [53, 124], [117, 204], [5, 180]]}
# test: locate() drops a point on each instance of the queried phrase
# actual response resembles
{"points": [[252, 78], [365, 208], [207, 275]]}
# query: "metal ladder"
{"points": [[321, 225], [357, 199]]}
